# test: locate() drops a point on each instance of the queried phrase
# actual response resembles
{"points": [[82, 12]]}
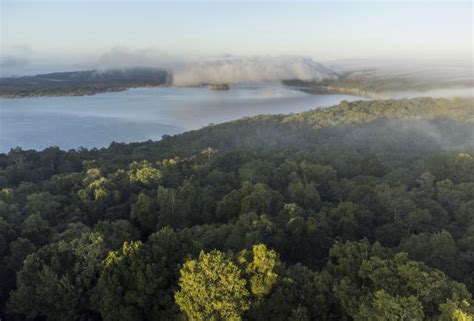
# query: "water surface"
{"points": [[141, 114]]}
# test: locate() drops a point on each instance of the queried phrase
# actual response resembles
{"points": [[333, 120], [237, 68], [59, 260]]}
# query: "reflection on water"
{"points": [[140, 114]]}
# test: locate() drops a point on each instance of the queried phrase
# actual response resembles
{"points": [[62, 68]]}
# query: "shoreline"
{"points": [[330, 90], [80, 92], [75, 92]]}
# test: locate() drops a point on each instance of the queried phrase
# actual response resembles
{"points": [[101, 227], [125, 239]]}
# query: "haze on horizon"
{"points": [[69, 34]]}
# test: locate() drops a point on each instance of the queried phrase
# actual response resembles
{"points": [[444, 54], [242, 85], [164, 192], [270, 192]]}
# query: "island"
{"points": [[218, 86]]}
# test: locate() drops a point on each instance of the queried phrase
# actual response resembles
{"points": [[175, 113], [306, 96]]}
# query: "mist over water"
{"points": [[435, 93], [149, 113], [250, 69], [141, 114]]}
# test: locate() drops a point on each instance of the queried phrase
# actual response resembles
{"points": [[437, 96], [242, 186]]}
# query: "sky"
{"points": [[80, 32]]}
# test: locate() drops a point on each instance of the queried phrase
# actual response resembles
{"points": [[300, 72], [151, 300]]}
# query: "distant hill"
{"points": [[349, 126], [78, 83], [395, 129]]}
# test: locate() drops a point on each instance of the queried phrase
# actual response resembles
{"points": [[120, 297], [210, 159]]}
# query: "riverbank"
{"points": [[82, 83], [71, 92]]}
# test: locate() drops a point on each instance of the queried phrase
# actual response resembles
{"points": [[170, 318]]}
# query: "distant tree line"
{"points": [[81, 83]]}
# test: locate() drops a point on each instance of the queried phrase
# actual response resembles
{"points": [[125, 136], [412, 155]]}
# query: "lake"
{"points": [[141, 114]]}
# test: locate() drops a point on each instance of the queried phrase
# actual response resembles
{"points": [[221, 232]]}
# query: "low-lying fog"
{"points": [[141, 114]]}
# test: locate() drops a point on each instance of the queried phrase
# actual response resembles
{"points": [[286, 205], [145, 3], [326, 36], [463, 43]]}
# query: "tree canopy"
{"points": [[363, 211]]}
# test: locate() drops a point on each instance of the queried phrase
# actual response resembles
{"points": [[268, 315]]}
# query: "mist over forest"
{"points": [[306, 210], [121, 69]]}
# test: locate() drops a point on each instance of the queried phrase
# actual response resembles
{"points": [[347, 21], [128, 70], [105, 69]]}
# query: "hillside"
{"points": [[359, 211], [391, 128]]}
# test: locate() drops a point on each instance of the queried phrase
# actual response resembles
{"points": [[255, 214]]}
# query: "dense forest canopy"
{"points": [[361, 211]]}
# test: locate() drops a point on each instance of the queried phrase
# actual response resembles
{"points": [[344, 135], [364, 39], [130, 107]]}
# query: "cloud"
{"points": [[11, 61], [232, 69], [218, 69]]}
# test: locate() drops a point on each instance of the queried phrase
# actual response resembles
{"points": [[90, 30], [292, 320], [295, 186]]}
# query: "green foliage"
{"points": [[437, 250], [115, 233], [145, 212], [137, 282], [36, 229], [261, 269], [144, 173], [372, 283], [456, 311], [386, 307], [58, 281], [211, 288]]}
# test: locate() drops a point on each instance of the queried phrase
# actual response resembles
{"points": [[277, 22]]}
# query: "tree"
{"points": [[145, 212], [19, 250], [169, 204], [44, 204], [115, 233], [258, 198], [385, 307], [36, 229], [58, 281], [261, 269], [303, 194], [456, 311], [437, 250], [350, 221], [362, 271], [143, 173], [137, 282], [298, 294], [196, 204], [212, 288]]}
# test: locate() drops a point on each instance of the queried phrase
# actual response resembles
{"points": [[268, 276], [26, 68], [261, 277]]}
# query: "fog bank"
{"points": [[218, 69]]}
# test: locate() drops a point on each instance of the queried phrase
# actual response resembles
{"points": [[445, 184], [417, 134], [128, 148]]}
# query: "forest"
{"points": [[360, 211], [81, 83], [374, 83]]}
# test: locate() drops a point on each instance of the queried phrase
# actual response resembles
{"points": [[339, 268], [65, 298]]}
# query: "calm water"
{"points": [[140, 114]]}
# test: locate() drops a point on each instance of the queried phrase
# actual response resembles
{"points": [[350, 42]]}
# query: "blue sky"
{"points": [[324, 30]]}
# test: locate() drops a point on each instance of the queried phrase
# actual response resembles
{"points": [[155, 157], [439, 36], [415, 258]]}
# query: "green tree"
{"points": [[145, 212], [137, 281], [115, 233], [144, 173], [170, 205], [350, 221], [261, 269], [304, 195], [360, 271], [212, 288], [437, 250], [58, 281], [36, 229], [385, 307], [454, 310], [45, 204]]}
